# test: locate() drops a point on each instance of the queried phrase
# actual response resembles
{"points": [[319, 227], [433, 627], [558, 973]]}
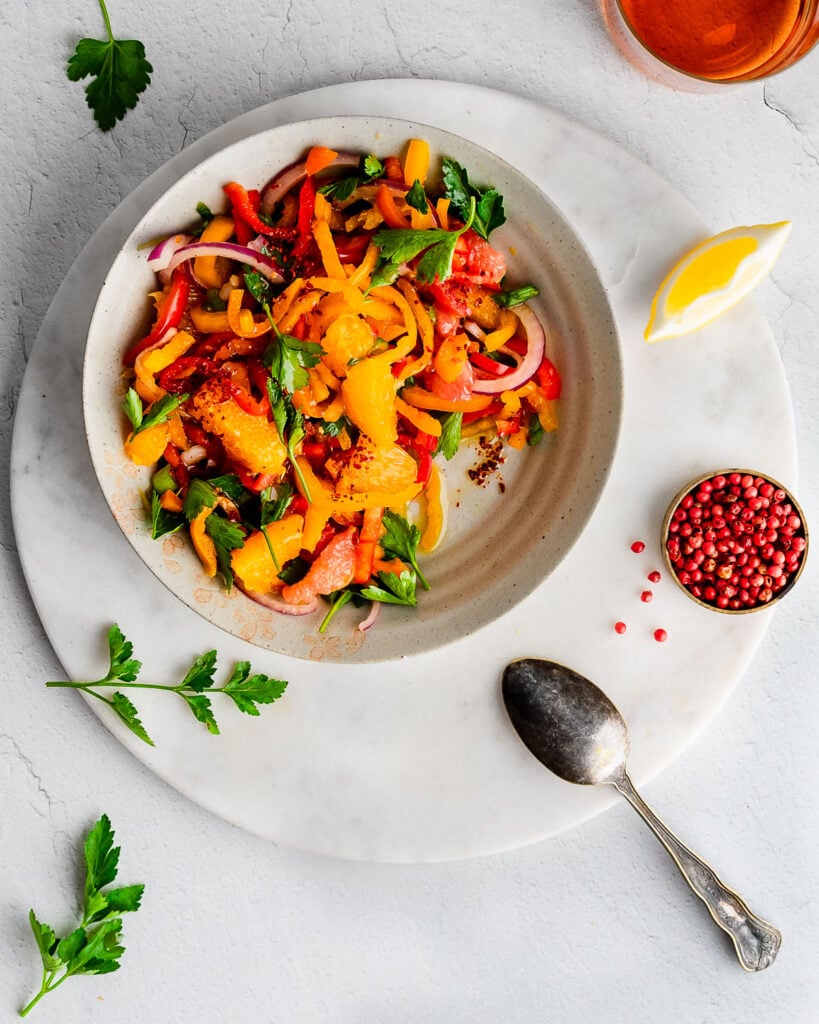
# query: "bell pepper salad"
{"points": [[320, 348]]}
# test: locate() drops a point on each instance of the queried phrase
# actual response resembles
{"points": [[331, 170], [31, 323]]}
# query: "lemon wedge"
{"points": [[713, 277]]}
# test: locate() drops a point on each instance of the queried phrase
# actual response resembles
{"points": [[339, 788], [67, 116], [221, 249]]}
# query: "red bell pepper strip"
{"points": [[247, 403], [482, 362], [174, 378], [256, 482], [244, 208], [548, 378], [304, 219], [168, 316], [179, 470]]}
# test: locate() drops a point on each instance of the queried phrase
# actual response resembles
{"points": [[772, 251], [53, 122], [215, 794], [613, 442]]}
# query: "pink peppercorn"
{"points": [[735, 541]]}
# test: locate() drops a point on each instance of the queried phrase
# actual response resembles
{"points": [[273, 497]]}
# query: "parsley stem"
{"points": [[107, 20], [119, 684], [45, 988]]}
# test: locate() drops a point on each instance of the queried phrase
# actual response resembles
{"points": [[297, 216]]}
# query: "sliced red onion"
{"points": [[371, 619], [472, 328], [230, 251], [160, 256], [194, 454], [277, 605], [531, 360], [294, 175]]}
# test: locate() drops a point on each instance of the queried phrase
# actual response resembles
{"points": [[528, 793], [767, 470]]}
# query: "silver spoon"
{"points": [[572, 727]]}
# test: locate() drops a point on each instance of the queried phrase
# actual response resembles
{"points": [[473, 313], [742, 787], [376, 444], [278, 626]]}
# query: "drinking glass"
{"points": [[700, 43]]}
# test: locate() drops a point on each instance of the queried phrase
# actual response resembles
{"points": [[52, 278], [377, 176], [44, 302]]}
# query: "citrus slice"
{"points": [[713, 277]]}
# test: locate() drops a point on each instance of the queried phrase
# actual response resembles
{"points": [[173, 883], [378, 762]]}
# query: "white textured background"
{"points": [[591, 925]]}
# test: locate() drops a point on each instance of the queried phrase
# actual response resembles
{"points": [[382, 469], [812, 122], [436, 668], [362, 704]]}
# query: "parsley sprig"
{"points": [[398, 245], [462, 195], [93, 947], [159, 412], [119, 70], [245, 690]]}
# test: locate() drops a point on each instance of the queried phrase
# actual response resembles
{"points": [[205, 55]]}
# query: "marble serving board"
{"points": [[414, 760]]}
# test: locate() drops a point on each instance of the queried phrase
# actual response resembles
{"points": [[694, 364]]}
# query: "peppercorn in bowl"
{"points": [[736, 540], [352, 388]]}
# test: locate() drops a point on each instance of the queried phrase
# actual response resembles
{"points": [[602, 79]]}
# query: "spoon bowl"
{"points": [[573, 729]]}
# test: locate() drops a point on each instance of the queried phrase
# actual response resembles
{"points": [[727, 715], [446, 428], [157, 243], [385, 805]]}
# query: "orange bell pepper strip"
{"points": [[327, 248], [241, 321], [318, 159], [367, 543], [422, 399], [203, 544], [418, 418], [389, 211], [416, 162], [205, 268], [425, 330]]}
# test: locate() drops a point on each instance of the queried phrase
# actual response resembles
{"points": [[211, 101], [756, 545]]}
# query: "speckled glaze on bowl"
{"points": [[694, 485], [501, 541]]}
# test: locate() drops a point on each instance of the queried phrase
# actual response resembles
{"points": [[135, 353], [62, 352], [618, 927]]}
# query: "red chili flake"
{"points": [[619, 627], [660, 635], [646, 596], [654, 577], [637, 547]]}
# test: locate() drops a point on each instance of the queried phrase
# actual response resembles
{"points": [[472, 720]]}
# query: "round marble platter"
{"points": [[415, 760]]}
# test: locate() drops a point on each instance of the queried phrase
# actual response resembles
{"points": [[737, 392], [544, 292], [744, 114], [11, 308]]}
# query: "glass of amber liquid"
{"points": [[714, 41]]}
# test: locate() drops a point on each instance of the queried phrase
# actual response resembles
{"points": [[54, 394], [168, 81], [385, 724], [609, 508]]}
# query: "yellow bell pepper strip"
{"points": [[435, 512], [304, 304], [169, 314], [319, 158], [287, 297], [405, 346], [480, 426], [418, 418], [425, 329], [148, 364], [361, 275], [334, 410], [416, 162], [385, 202], [241, 321], [427, 400], [206, 269], [208, 321], [203, 544], [327, 249], [508, 327], [442, 209]]}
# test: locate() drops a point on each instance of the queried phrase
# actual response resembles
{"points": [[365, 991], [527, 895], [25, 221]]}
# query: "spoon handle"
{"points": [[755, 941]]}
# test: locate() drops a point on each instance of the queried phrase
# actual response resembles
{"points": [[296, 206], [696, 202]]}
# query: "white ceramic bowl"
{"points": [[502, 542]]}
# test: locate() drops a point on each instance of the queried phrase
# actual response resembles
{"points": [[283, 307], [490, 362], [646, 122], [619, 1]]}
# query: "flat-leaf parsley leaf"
{"points": [[93, 947], [119, 70], [245, 691]]}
